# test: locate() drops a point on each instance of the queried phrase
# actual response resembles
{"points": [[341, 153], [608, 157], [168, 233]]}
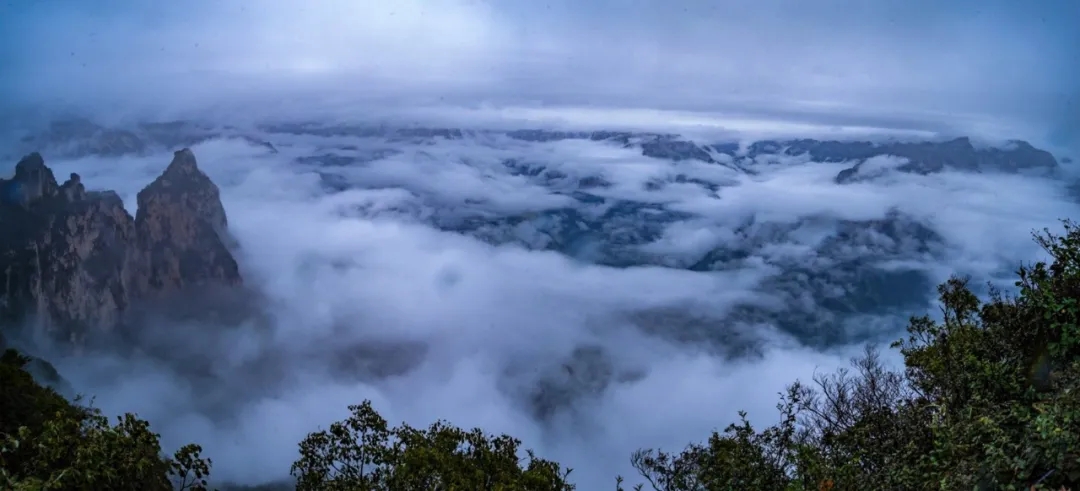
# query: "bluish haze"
{"points": [[998, 67], [348, 235]]}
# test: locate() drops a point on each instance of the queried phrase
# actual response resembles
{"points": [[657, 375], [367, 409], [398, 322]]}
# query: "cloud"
{"points": [[372, 294], [968, 66], [368, 298]]}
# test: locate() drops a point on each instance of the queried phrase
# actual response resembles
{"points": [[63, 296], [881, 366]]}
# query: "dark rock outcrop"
{"points": [[676, 150], [925, 157], [73, 262], [181, 225], [930, 157]]}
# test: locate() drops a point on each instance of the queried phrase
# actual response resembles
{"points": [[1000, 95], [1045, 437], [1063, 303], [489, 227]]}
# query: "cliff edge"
{"points": [[73, 262]]}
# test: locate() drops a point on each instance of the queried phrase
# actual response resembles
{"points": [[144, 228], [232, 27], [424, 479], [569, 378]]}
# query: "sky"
{"points": [[972, 66], [362, 267]]}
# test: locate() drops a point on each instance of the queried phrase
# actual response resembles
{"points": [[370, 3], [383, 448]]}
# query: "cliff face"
{"points": [[72, 262], [181, 226]]}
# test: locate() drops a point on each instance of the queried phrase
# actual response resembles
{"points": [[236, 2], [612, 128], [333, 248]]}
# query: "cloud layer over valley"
{"points": [[596, 226], [556, 286]]}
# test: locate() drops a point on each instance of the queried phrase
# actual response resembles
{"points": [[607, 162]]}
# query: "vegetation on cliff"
{"points": [[988, 398]]}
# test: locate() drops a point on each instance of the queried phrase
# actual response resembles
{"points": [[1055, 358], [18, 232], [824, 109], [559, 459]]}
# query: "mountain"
{"points": [[862, 267], [921, 157], [74, 262], [746, 246], [80, 137]]}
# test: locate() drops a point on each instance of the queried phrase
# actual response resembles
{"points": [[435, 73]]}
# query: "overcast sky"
{"points": [[912, 63]]}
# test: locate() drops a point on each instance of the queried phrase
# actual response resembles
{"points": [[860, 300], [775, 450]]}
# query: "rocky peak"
{"points": [[183, 164], [73, 262], [32, 182], [185, 189], [73, 190], [181, 223]]}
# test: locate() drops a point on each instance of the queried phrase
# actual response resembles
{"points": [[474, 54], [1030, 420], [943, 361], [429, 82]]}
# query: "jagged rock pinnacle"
{"points": [[32, 181], [74, 262], [183, 187], [183, 163], [73, 190]]}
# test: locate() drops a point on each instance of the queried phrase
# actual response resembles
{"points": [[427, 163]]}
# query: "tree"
{"points": [[989, 398], [363, 453], [49, 443]]}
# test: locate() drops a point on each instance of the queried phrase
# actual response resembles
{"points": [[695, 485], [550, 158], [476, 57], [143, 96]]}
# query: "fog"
{"points": [[466, 331], [364, 296]]}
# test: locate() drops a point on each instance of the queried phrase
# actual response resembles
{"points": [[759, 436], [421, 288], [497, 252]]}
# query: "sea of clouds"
{"points": [[418, 273], [367, 293]]}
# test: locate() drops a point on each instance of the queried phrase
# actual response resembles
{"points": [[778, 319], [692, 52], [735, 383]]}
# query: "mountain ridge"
{"points": [[596, 225], [74, 262], [80, 137]]}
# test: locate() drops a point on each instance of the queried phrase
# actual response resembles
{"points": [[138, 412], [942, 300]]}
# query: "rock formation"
{"points": [[73, 262], [181, 224]]}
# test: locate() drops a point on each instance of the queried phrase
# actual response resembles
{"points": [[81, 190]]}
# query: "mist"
{"points": [[364, 294], [365, 299]]}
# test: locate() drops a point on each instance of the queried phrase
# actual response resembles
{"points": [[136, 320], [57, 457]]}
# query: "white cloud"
{"points": [[361, 269]]}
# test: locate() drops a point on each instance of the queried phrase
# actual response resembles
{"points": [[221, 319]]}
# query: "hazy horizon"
{"points": [[371, 253], [972, 66]]}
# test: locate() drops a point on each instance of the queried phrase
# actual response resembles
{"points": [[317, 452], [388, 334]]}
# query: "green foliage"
{"points": [[363, 453], [989, 399], [49, 443]]}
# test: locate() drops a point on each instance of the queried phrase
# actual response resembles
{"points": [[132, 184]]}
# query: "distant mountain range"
{"points": [[599, 227], [79, 137]]}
